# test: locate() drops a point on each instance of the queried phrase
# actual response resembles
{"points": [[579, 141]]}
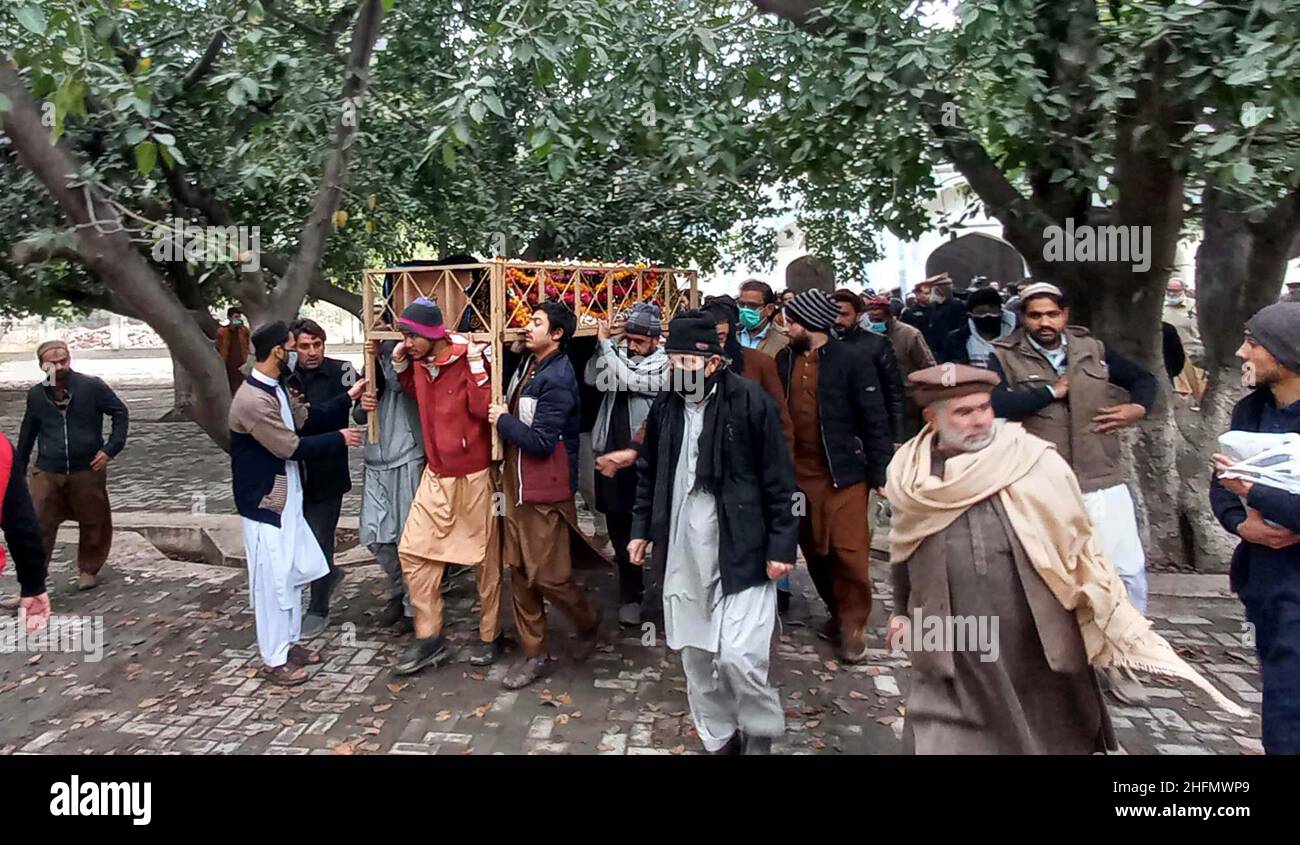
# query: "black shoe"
{"points": [[485, 654], [404, 626], [757, 745], [430, 652], [392, 613], [733, 748]]}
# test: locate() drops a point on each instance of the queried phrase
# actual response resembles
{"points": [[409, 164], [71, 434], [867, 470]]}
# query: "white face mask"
{"points": [[291, 363]]}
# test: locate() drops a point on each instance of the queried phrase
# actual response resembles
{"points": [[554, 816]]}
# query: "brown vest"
{"points": [[1067, 424]]}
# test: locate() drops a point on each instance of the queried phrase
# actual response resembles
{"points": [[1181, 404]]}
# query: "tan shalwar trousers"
{"points": [[451, 521]]}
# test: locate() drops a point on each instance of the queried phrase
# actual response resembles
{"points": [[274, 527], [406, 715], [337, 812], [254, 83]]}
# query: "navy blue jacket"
{"points": [[254, 469], [1259, 566], [556, 418]]}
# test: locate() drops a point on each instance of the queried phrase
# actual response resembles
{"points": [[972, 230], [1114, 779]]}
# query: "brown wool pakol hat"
{"points": [[949, 381]]}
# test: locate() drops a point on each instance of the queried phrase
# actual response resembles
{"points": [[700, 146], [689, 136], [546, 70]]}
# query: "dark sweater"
{"points": [[68, 442]]}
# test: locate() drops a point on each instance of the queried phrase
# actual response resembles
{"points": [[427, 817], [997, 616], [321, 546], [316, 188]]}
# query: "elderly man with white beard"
{"points": [[989, 522]]}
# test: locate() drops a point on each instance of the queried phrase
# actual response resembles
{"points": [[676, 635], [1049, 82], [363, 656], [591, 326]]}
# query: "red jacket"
{"points": [[453, 409]]}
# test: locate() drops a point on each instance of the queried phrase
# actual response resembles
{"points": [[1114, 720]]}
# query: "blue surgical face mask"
{"points": [[750, 317], [878, 328], [1173, 299]]}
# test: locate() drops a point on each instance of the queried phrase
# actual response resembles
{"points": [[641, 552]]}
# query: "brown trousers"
{"points": [[537, 551], [843, 580], [424, 588], [81, 496]]}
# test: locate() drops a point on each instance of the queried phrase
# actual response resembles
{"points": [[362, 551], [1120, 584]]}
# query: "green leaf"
{"points": [[255, 12], [104, 27], [449, 156], [389, 4], [146, 156], [706, 41], [461, 131], [167, 140], [477, 111], [494, 103], [236, 95], [1221, 145], [32, 18], [136, 134], [539, 138], [555, 167], [1243, 171]]}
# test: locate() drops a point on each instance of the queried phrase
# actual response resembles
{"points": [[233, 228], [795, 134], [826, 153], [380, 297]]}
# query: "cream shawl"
{"points": [[1045, 506]]}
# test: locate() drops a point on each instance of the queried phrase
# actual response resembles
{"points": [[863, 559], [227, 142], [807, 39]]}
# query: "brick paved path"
{"points": [[178, 672]]}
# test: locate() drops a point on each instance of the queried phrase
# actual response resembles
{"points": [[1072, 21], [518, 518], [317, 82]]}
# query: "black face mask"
{"points": [[988, 324]]}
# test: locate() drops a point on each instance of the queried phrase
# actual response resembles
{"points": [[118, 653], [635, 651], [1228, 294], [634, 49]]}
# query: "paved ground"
{"points": [[178, 669]]}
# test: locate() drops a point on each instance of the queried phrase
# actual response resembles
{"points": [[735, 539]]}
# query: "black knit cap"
{"points": [[984, 296], [268, 337], [693, 333]]}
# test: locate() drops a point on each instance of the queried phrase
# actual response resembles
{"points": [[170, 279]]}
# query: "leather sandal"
{"points": [[525, 672], [300, 655], [288, 675]]}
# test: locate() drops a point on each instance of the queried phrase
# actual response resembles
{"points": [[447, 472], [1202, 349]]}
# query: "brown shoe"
{"points": [[87, 581], [524, 672], [853, 646], [288, 675]]}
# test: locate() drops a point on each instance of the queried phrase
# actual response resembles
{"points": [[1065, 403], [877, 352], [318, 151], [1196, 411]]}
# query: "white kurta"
{"points": [[1115, 521], [725, 641], [281, 560]]}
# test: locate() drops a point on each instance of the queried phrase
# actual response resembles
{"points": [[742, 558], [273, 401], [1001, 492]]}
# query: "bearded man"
{"points": [[989, 526]]}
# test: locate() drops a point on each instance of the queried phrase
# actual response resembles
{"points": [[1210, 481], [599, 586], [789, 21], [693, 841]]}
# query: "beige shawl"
{"points": [[1045, 506]]}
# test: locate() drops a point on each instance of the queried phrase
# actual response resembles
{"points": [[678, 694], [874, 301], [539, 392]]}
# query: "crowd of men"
{"points": [[726, 442]]}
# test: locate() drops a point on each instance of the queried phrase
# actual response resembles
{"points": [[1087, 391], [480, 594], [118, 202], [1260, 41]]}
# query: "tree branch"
{"points": [[316, 229], [205, 62]]}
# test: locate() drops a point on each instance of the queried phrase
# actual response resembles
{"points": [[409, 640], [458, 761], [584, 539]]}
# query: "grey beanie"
{"points": [[1277, 328], [643, 319]]}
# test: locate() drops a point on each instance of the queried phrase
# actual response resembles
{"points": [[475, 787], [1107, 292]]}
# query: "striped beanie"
{"points": [[813, 310], [643, 319], [422, 317]]}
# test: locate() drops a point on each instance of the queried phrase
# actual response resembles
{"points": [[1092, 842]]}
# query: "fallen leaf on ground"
{"points": [[344, 748], [443, 715], [150, 702], [858, 695]]}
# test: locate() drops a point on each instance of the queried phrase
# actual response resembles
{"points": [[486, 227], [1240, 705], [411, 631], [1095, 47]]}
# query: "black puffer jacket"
{"points": [[325, 477], [856, 432], [881, 353]]}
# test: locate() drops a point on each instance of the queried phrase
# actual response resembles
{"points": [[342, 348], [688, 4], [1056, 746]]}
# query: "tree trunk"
{"points": [[1239, 270]]}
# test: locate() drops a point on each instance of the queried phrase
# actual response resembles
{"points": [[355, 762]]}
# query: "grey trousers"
{"points": [[386, 554], [728, 690]]}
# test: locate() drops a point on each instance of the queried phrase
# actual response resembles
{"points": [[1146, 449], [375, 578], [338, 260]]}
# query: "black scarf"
{"points": [[708, 467]]}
